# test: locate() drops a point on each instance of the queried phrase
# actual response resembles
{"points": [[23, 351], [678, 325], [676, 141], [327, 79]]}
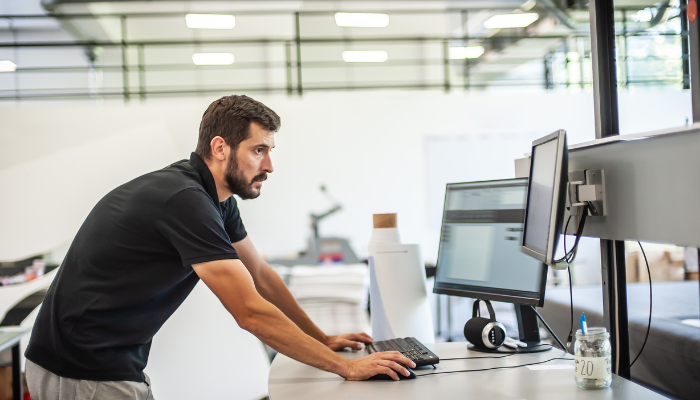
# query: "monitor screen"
{"points": [[544, 159], [479, 253]]}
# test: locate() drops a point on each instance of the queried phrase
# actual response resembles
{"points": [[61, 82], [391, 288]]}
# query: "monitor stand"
{"points": [[529, 333]]}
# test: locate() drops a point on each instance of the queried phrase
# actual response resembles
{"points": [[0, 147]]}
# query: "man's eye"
{"points": [[259, 150]]}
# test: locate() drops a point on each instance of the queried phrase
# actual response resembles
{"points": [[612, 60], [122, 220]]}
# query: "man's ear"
{"points": [[219, 148]]}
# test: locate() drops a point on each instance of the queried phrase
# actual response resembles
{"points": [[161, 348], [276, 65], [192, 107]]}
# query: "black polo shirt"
{"points": [[128, 269]]}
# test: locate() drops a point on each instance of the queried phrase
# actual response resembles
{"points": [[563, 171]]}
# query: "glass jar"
{"points": [[593, 359]]}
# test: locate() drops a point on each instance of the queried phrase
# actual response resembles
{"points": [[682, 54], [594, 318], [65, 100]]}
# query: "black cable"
{"points": [[650, 306], [571, 254], [548, 328], [472, 358], [571, 299], [489, 369]]}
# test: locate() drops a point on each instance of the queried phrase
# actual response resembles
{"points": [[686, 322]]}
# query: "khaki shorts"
{"points": [[45, 385]]}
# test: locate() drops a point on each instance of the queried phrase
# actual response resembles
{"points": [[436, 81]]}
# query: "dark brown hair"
{"points": [[230, 118]]}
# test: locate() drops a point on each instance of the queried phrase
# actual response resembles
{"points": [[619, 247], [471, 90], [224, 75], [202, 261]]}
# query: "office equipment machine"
{"points": [[479, 255], [409, 347]]}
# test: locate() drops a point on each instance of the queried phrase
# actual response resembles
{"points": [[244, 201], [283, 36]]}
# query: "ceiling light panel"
{"points": [[212, 58], [460, 53], [501, 21], [210, 21], [362, 20], [365, 56], [7, 66]]}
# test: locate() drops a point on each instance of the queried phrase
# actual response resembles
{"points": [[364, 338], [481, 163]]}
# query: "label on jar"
{"points": [[593, 367]]}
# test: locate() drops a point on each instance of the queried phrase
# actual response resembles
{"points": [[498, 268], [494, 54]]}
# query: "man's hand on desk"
{"points": [[351, 340], [383, 362]]}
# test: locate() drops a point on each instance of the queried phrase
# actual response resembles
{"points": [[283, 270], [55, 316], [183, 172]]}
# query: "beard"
{"points": [[237, 182]]}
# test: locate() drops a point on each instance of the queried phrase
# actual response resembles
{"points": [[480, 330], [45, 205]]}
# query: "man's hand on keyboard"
{"points": [[351, 340], [385, 362]]}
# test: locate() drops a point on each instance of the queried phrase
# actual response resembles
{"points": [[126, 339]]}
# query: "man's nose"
{"points": [[267, 165]]}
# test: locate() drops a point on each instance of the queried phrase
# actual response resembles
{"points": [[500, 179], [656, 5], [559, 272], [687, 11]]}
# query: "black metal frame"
{"points": [[694, 55], [612, 252], [126, 92]]}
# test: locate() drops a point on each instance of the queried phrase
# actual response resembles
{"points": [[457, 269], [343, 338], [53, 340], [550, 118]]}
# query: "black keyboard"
{"points": [[409, 347]]}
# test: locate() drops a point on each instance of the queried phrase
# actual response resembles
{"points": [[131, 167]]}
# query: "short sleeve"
{"points": [[192, 224], [233, 222]]}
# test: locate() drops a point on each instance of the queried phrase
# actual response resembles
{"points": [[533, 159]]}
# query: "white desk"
{"points": [[291, 380]]}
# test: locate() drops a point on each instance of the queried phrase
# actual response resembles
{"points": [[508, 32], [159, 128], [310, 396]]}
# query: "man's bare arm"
{"points": [[233, 285], [272, 288]]}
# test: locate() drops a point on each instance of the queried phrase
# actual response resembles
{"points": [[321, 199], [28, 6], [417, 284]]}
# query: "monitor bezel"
{"points": [[485, 293], [558, 192]]}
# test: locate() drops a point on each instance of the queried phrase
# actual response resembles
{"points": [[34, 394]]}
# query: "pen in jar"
{"points": [[584, 327]]}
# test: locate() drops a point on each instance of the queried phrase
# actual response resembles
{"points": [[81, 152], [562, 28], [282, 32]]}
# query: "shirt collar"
{"points": [[207, 177]]}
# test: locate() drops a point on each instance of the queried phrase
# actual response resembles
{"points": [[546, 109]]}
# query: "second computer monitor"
{"points": [[479, 254], [544, 210]]}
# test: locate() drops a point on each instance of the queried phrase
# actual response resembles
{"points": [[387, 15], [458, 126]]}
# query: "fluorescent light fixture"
{"points": [[212, 58], [460, 53], [510, 20], [362, 20], [7, 66], [210, 21], [365, 56]]}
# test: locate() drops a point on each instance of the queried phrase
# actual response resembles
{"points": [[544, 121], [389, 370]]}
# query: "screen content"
{"points": [[480, 239], [539, 213]]}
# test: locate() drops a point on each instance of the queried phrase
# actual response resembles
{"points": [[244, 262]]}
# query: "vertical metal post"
{"points": [[694, 47], [566, 62], [446, 60], [298, 41], [142, 72], [125, 61], [465, 40], [581, 48], [694, 56], [17, 384], [547, 72], [685, 46], [288, 57], [612, 252], [623, 54], [604, 81]]}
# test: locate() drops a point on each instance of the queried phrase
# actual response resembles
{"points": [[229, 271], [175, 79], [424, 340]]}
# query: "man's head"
{"points": [[244, 129]]}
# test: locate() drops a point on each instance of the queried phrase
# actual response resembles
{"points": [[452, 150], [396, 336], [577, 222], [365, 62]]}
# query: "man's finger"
{"points": [[388, 371], [396, 367], [351, 344], [362, 337], [398, 357]]}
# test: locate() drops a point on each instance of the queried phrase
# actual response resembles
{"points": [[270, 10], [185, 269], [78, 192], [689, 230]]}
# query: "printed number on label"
{"points": [[593, 367]]}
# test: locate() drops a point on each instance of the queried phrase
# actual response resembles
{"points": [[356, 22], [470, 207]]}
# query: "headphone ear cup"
{"points": [[484, 333], [473, 330]]}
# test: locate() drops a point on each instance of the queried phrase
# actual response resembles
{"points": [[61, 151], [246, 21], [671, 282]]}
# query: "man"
{"points": [[144, 247]]}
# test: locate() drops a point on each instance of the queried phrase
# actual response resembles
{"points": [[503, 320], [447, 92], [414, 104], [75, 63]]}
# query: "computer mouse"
{"points": [[385, 377]]}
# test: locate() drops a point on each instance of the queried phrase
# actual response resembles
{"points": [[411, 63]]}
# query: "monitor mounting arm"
{"points": [[587, 187]]}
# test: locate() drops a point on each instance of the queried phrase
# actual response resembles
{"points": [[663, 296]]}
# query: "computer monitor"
{"points": [[546, 191], [479, 254]]}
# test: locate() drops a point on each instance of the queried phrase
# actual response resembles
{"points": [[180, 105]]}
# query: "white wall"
{"points": [[369, 148]]}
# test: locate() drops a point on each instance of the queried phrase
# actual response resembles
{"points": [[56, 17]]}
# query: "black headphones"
{"points": [[484, 332]]}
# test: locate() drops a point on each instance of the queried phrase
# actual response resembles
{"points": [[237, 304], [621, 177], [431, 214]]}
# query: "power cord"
{"points": [[548, 328], [473, 358], [650, 307], [571, 299], [490, 369]]}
